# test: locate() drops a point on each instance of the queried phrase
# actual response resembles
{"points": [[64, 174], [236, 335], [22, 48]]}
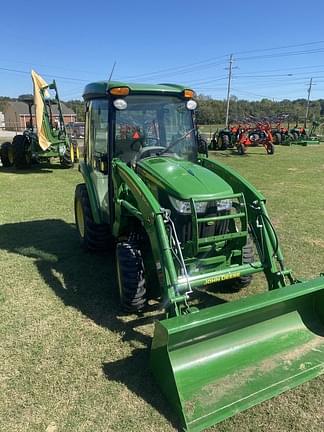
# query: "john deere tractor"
{"points": [[48, 139], [180, 223]]}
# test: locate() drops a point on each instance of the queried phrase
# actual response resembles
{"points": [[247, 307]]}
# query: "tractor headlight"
{"points": [[224, 205], [184, 206]]}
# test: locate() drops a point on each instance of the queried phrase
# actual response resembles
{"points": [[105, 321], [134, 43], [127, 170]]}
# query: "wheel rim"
{"points": [[79, 218]]}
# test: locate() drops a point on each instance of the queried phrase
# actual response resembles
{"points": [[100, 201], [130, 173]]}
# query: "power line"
{"points": [[284, 54], [45, 75], [177, 68], [280, 47], [212, 59]]}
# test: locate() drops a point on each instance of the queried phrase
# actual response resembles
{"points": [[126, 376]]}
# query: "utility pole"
{"points": [[307, 106], [229, 88]]}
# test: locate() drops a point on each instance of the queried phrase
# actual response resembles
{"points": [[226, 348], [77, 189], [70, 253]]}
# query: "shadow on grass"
{"points": [[39, 168], [231, 152], [35, 169], [83, 280], [86, 281], [135, 374]]}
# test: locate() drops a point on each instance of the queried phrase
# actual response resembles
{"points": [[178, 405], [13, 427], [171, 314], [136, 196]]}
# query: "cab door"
{"points": [[96, 140]]}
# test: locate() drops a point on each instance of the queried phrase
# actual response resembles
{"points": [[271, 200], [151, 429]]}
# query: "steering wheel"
{"points": [[154, 141], [148, 151]]}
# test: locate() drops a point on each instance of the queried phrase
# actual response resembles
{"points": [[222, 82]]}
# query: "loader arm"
{"points": [[142, 204]]}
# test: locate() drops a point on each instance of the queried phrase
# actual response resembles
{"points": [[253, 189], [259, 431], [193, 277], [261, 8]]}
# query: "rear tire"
{"points": [[6, 154], [277, 138], [130, 277], [225, 142], [94, 237], [76, 151], [67, 160], [22, 152], [213, 142], [270, 148]]}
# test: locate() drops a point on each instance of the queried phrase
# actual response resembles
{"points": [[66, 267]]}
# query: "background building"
{"points": [[16, 115]]}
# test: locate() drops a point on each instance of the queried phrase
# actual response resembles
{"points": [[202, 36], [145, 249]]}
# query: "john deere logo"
{"points": [[221, 278]]}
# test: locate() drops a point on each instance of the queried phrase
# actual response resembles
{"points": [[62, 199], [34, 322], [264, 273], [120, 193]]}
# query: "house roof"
{"points": [[21, 108]]}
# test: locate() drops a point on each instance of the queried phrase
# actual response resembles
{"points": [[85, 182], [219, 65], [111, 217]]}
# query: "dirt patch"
{"points": [[315, 242]]}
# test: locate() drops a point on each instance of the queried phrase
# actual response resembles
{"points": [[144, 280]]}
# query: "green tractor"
{"points": [[223, 140], [181, 224], [48, 140]]}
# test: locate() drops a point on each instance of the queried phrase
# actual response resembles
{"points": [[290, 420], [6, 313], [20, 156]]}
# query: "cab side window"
{"points": [[98, 129]]}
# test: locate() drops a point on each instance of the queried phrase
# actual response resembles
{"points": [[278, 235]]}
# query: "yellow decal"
{"points": [[222, 278]]}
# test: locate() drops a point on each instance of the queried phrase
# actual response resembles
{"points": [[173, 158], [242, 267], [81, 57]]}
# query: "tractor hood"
{"points": [[182, 179]]}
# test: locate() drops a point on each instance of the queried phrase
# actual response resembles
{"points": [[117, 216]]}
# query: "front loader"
{"points": [[44, 140], [180, 224]]}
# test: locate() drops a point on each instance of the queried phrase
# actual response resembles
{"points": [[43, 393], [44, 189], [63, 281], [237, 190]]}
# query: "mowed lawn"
{"points": [[70, 360]]}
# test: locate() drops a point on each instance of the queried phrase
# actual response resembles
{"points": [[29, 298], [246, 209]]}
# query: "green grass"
{"points": [[70, 361]]}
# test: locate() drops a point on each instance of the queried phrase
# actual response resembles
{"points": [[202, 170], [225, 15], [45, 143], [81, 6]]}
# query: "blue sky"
{"points": [[277, 46]]}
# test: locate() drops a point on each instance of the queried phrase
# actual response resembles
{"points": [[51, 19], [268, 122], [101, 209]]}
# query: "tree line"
{"points": [[212, 111]]}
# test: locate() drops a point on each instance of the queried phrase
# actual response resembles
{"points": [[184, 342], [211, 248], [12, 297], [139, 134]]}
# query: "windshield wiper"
{"points": [[173, 143]]}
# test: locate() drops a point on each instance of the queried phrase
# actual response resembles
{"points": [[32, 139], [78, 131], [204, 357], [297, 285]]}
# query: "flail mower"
{"points": [[48, 140], [181, 223], [296, 135], [303, 136]]}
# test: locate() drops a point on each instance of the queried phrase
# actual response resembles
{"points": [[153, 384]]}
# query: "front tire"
{"points": [[7, 154], [94, 237], [248, 258], [130, 277], [241, 149]]}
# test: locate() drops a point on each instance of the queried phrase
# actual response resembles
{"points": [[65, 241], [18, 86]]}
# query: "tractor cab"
{"points": [[154, 125], [134, 123]]}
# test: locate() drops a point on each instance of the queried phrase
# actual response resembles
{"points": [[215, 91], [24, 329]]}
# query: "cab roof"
{"points": [[99, 88]]}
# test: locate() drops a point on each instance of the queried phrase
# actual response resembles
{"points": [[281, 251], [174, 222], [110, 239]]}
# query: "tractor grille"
{"points": [[183, 226], [223, 220]]}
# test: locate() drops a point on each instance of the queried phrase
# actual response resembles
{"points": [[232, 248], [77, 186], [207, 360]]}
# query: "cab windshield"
{"points": [[154, 125]]}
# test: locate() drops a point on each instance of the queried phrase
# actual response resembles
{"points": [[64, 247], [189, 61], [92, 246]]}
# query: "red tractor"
{"points": [[255, 135]]}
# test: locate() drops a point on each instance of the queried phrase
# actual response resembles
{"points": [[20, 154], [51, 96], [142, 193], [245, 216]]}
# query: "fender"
{"points": [[93, 198]]}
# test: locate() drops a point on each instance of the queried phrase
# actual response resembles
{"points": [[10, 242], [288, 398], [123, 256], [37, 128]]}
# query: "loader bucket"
{"points": [[219, 361]]}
